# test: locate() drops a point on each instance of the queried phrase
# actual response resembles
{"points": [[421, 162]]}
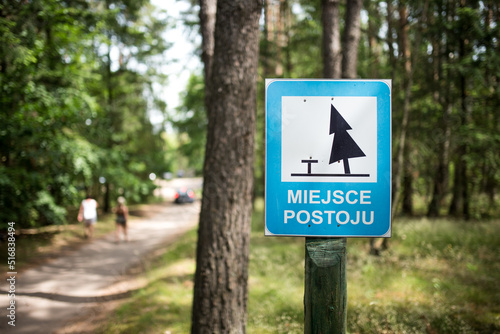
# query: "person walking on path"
{"points": [[121, 212], [88, 214]]}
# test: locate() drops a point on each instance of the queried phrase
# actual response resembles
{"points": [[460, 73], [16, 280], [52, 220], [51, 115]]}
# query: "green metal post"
{"points": [[325, 294]]}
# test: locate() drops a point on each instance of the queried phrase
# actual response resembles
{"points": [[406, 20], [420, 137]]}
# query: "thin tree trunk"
{"points": [[390, 38], [406, 53], [208, 9], [441, 178], [276, 33], [460, 202], [350, 40], [374, 248], [332, 57], [407, 205], [280, 38], [266, 49], [373, 29], [408, 83], [111, 111], [220, 291]]}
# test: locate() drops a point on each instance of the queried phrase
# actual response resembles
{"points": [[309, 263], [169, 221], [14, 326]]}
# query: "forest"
{"points": [[441, 57], [80, 85], [76, 98], [77, 85]]}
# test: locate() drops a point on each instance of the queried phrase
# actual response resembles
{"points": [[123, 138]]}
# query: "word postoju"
{"points": [[335, 197]]}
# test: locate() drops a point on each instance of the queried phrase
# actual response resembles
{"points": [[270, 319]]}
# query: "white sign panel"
{"points": [[306, 136]]}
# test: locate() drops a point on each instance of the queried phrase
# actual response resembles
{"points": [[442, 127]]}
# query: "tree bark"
{"points": [[350, 40], [332, 56], [220, 291], [276, 37], [460, 201]]}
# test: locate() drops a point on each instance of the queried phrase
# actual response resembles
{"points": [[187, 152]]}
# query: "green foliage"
{"points": [[76, 90], [454, 97], [69, 114], [455, 92], [49, 211], [191, 123]]}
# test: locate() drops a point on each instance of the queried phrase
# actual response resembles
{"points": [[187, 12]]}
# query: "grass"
{"points": [[438, 276], [165, 303]]}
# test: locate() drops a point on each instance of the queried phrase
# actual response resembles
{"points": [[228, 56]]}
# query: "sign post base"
{"points": [[325, 293]]}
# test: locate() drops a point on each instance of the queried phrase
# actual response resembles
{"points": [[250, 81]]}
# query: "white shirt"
{"points": [[89, 208]]}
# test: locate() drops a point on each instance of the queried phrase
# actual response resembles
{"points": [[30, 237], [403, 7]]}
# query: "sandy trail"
{"points": [[51, 297]]}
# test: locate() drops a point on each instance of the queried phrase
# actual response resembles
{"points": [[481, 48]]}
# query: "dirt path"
{"points": [[80, 286]]}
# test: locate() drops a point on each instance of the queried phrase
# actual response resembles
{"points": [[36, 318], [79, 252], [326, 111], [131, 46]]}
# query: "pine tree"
{"points": [[344, 147]]}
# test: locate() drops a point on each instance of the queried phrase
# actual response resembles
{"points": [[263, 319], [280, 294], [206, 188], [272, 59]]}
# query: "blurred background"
{"points": [[107, 98]]}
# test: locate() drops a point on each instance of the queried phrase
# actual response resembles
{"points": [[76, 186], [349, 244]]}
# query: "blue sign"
{"points": [[328, 158]]}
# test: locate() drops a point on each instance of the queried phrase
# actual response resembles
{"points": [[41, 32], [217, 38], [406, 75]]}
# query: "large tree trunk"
{"points": [[350, 40], [332, 56], [220, 291]]}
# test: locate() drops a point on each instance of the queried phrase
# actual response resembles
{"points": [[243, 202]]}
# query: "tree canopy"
{"points": [[76, 81], [442, 57], [76, 92]]}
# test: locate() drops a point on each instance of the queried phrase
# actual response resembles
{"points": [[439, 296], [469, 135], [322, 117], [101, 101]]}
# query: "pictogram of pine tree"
{"points": [[343, 147]]}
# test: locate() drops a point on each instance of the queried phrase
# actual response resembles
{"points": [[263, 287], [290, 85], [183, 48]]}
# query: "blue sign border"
{"points": [[276, 191]]}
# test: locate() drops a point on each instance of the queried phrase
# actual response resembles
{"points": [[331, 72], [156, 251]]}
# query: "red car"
{"points": [[184, 195]]}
